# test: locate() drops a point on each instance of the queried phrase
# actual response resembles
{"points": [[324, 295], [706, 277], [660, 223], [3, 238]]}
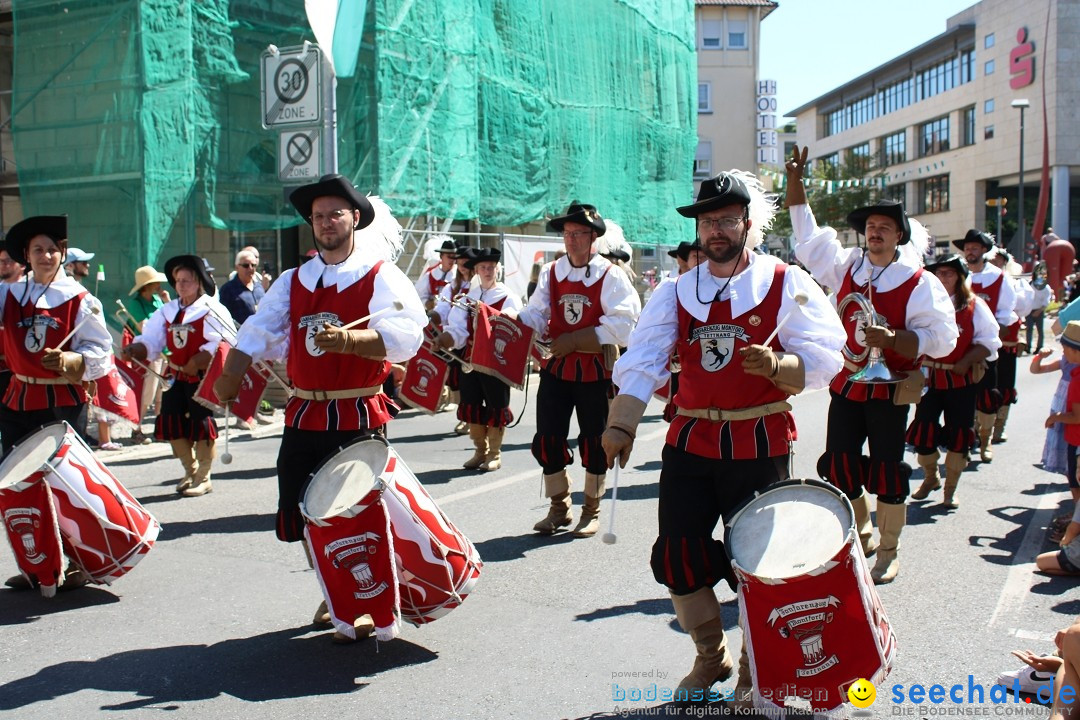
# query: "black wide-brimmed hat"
{"points": [[483, 255], [448, 247], [195, 264], [683, 251], [889, 208], [950, 260], [22, 232], [620, 255], [579, 213], [717, 192], [332, 185], [464, 252], [978, 236]]}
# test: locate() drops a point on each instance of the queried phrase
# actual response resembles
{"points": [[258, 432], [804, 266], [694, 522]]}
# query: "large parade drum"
{"points": [[381, 545], [251, 389], [812, 618], [501, 346], [54, 492], [425, 378]]}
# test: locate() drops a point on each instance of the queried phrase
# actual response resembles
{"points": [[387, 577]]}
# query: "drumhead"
{"points": [[344, 478], [789, 530], [31, 454]]}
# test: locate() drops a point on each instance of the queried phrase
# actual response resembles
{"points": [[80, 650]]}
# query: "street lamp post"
{"points": [[1022, 104]]}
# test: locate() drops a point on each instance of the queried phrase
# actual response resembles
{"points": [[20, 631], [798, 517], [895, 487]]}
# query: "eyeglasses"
{"points": [[6, 261], [333, 216], [249, 266], [567, 235], [727, 223]]}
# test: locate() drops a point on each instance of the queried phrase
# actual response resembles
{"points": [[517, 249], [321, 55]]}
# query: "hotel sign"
{"points": [[768, 152]]}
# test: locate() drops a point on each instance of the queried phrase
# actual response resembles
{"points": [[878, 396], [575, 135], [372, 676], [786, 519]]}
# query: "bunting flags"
{"points": [[880, 181]]}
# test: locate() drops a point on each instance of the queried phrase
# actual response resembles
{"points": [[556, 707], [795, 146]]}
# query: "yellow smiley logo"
{"points": [[862, 693]]}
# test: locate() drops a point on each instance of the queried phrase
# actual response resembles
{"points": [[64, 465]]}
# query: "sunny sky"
{"points": [[811, 46]]}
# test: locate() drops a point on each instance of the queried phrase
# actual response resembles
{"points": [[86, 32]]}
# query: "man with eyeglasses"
{"points": [[242, 294], [339, 374], [584, 308], [912, 317], [732, 431]]}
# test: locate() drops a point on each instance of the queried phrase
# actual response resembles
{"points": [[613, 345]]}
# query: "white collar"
{"points": [[990, 270], [341, 275], [597, 266], [60, 290], [746, 290], [192, 312]]}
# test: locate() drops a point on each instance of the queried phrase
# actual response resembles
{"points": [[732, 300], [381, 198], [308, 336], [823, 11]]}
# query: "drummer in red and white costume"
{"points": [[485, 399], [190, 328], [440, 315], [733, 430], [921, 321], [950, 387], [988, 283], [435, 278], [338, 374], [582, 306], [1010, 337], [49, 385]]}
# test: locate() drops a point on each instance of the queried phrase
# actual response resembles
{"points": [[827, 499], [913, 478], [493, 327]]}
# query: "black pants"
{"points": [[485, 400], [878, 423], [1006, 376], [556, 401], [956, 434], [16, 425], [695, 494], [987, 395], [1035, 322]]}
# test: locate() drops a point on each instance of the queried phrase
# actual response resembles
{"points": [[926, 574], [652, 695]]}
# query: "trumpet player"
{"points": [[911, 316], [485, 399]]}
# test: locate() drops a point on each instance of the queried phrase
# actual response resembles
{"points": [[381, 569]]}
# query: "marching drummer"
{"points": [[50, 379], [435, 278], [485, 399], [440, 315], [733, 428], [338, 373], [583, 308], [918, 319], [190, 328]]}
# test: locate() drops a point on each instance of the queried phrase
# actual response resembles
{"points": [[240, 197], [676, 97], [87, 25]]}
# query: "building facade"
{"points": [[940, 125]]}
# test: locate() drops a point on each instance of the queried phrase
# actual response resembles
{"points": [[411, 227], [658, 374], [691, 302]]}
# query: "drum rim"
{"points": [[778, 485], [340, 449], [5, 472]]}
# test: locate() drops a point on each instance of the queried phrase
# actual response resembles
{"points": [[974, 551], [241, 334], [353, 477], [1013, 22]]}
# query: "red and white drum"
{"points": [[53, 488], [501, 347], [425, 378], [812, 618], [251, 390], [382, 547]]}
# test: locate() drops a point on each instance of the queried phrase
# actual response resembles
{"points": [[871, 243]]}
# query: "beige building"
{"points": [[943, 122]]}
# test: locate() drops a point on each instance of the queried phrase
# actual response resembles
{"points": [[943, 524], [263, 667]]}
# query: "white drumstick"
{"points": [[397, 306], [801, 298], [226, 457], [94, 310], [609, 536], [147, 368]]}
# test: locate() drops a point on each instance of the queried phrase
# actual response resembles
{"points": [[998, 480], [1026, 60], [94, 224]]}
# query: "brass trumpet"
{"points": [[122, 312], [875, 372]]}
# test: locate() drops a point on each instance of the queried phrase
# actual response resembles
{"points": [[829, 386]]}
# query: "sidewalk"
{"points": [[158, 448]]}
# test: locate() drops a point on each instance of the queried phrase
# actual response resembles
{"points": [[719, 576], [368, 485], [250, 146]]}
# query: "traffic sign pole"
{"points": [[329, 123]]}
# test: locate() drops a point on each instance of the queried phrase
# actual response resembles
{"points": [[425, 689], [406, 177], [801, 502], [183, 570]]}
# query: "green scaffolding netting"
{"points": [[141, 118]]}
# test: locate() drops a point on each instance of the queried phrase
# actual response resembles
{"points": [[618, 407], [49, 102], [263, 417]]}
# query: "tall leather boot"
{"points": [[478, 434], [861, 506], [699, 614], [891, 520], [589, 522], [493, 458], [200, 484], [929, 465], [184, 450], [984, 425], [999, 424], [955, 463], [556, 487], [744, 686]]}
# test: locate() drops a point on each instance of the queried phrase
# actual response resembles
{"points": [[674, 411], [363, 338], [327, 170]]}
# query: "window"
{"points": [[988, 41], [934, 194], [988, 106], [896, 96], [894, 149], [896, 192], [936, 79], [934, 136], [736, 34], [830, 162], [859, 157], [703, 160], [988, 67], [711, 31], [988, 132], [967, 66], [968, 117], [704, 97]]}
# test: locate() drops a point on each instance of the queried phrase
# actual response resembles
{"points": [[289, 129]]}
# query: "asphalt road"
{"points": [[214, 622]]}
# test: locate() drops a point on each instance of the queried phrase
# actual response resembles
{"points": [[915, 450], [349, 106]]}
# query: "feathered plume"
{"points": [[382, 238], [431, 247], [920, 240], [613, 239], [761, 211]]}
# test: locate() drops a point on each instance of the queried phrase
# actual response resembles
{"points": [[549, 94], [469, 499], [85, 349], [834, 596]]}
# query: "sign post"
{"points": [[298, 98]]}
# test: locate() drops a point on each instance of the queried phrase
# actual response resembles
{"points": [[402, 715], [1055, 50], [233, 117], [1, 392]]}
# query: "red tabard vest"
{"points": [[941, 379], [891, 305], [573, 307], [466, 352], [435, 284], [312, 369], [712, 376], [990, 293], [184, 340], [28, 330], [1010, 341]]}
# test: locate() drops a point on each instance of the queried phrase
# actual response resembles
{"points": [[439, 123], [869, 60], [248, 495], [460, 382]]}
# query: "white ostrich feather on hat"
{"points": [[917, 245], [613, 239], [431, 247], [761, 211], [382, 238]]}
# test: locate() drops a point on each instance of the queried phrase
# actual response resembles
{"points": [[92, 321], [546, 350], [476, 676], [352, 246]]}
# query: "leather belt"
{"points": [[324, 395], [934, 365], [718, 415], [43, 381]]}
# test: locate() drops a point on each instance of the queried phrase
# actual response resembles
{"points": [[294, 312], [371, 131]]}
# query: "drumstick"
{"points": [[226, 457], [397, 306], [801, 298], [609, 536], [94, 310], [147, 368]]}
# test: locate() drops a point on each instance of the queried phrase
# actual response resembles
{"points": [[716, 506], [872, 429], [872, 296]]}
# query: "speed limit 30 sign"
{"points": [[292, 86]]}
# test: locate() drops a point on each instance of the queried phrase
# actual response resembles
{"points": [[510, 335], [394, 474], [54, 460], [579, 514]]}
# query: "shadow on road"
{"points": [[272, 666], [514, 547], [26, 606], [729, 612], [255, 523], [1010, 543]]}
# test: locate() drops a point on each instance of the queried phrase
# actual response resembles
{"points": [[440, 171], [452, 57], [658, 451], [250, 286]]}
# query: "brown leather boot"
{"points": [[493, 458], [699, 614], [478, 434], [929, 465], [891, 520], [861, 506], [363, 626], [184, 450], [1000, 419], [556, 487], [589, 522], [200, 483], [984, 423], [955, 464], [322, 616]]}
